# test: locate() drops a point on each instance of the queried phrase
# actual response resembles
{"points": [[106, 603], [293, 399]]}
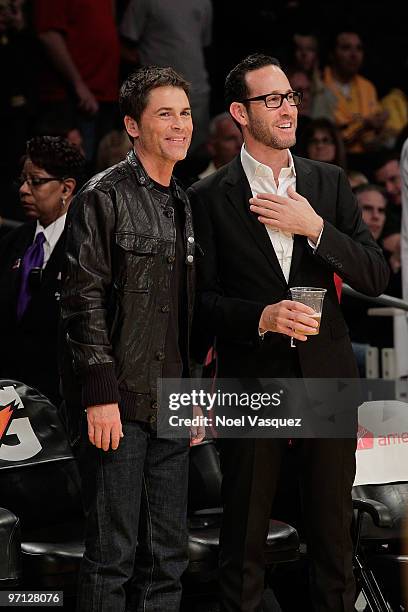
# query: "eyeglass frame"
{"points": [[282, 97], [40, 180]]}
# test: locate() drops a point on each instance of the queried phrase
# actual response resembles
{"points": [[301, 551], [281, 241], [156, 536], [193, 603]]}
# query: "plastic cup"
{"points": [[313, 297]]}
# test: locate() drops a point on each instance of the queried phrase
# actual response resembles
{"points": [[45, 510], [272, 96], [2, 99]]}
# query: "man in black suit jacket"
{"points": [[266, 222]]}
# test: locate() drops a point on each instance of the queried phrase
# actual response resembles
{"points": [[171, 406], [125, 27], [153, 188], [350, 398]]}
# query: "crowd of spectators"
{"points": [[64, 60]]}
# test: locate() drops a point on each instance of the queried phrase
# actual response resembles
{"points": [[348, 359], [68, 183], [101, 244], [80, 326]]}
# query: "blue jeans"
{"points": [[135, 501]]}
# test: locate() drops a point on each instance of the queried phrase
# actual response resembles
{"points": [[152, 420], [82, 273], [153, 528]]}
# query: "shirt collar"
{"points": [[53, 231], [254, 168]]}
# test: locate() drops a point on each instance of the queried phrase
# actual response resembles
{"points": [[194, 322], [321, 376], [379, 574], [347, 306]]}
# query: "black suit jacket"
{"points": [[239, 274], [29, 346]]}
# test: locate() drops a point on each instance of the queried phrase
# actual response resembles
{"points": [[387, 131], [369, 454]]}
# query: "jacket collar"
{"points": [[238, 192], [144, 179]]}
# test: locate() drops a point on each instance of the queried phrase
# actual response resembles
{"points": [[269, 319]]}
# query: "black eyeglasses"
{"points": [[36, 181], [275, 100]]}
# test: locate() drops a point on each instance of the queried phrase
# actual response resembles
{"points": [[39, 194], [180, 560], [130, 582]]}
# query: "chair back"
{"points": [[39, 479]]}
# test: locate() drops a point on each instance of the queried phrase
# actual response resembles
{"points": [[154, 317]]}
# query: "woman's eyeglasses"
{"points": [[36, 181]]}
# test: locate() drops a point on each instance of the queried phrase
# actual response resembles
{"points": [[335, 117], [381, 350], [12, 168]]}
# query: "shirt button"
{"points": [[152, 419], [190, 239], [159, 356], [142, 180], [171, 259], [155, 405], [165, 308], [190, 258]]}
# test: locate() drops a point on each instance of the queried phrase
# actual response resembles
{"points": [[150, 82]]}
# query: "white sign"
{"points": [[382, 445]]}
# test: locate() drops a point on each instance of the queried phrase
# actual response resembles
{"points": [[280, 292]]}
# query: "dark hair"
{"points": [[235, 89], [333, 38], [327, 126], [383, 157], [57, 156], [371, 187], [135, 89]]}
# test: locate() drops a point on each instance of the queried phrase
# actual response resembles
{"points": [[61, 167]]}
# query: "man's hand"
{"points": [[292, 214], [290, 318], [197, 432], [104, 426], [86, 100]]}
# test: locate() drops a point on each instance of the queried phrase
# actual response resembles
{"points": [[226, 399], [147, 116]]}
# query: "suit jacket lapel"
{"points": [[238, 193], [307, 188], [24, 241]]}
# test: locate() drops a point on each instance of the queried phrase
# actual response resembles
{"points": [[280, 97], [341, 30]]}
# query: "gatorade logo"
{"points": [[18, 441], [6, 414]]}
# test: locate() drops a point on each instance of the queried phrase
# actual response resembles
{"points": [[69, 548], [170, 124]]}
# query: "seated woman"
{"points": [[30, 265], [321, 141]]}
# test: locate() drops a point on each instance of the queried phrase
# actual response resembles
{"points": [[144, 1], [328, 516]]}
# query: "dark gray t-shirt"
{"points": [[171, 33]]}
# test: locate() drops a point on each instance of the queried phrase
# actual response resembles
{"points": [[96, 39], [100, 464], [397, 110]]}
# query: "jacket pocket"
{"points": [[135, 262]]}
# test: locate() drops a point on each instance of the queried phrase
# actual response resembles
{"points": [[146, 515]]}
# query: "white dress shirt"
{"points": [[261, 180], [52, 234]]}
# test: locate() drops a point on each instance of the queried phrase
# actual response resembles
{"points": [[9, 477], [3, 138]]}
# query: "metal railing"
{"points": [[381, 300]]}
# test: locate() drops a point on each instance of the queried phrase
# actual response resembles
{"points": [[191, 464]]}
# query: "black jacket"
{"points": [[120, 251], [29, 347], [239, 273]]}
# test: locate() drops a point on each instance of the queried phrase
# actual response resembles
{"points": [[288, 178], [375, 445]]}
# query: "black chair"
{"points": [[10, 566], [380, 511], [205, 514], [40, 484]]}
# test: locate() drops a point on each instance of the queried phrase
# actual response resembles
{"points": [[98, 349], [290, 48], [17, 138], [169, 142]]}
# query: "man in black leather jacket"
{"points": [[126, 313]]}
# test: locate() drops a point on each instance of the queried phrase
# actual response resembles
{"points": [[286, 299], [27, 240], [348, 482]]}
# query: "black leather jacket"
{"points": [[115, 301]]}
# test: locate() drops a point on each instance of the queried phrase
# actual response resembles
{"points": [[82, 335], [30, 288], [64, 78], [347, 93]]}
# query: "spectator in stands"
{"points": [[30, 265], [386, 172], [300, 81], [358, 113], [81, 64], [305, 57], [364, 330], [321, 141], [356, 178], [372, 201], [173, 34], [392, 91], [113, 147], [224, 143]]}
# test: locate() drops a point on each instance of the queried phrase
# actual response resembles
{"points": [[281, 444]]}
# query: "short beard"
{"points": [[259, 131]]}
